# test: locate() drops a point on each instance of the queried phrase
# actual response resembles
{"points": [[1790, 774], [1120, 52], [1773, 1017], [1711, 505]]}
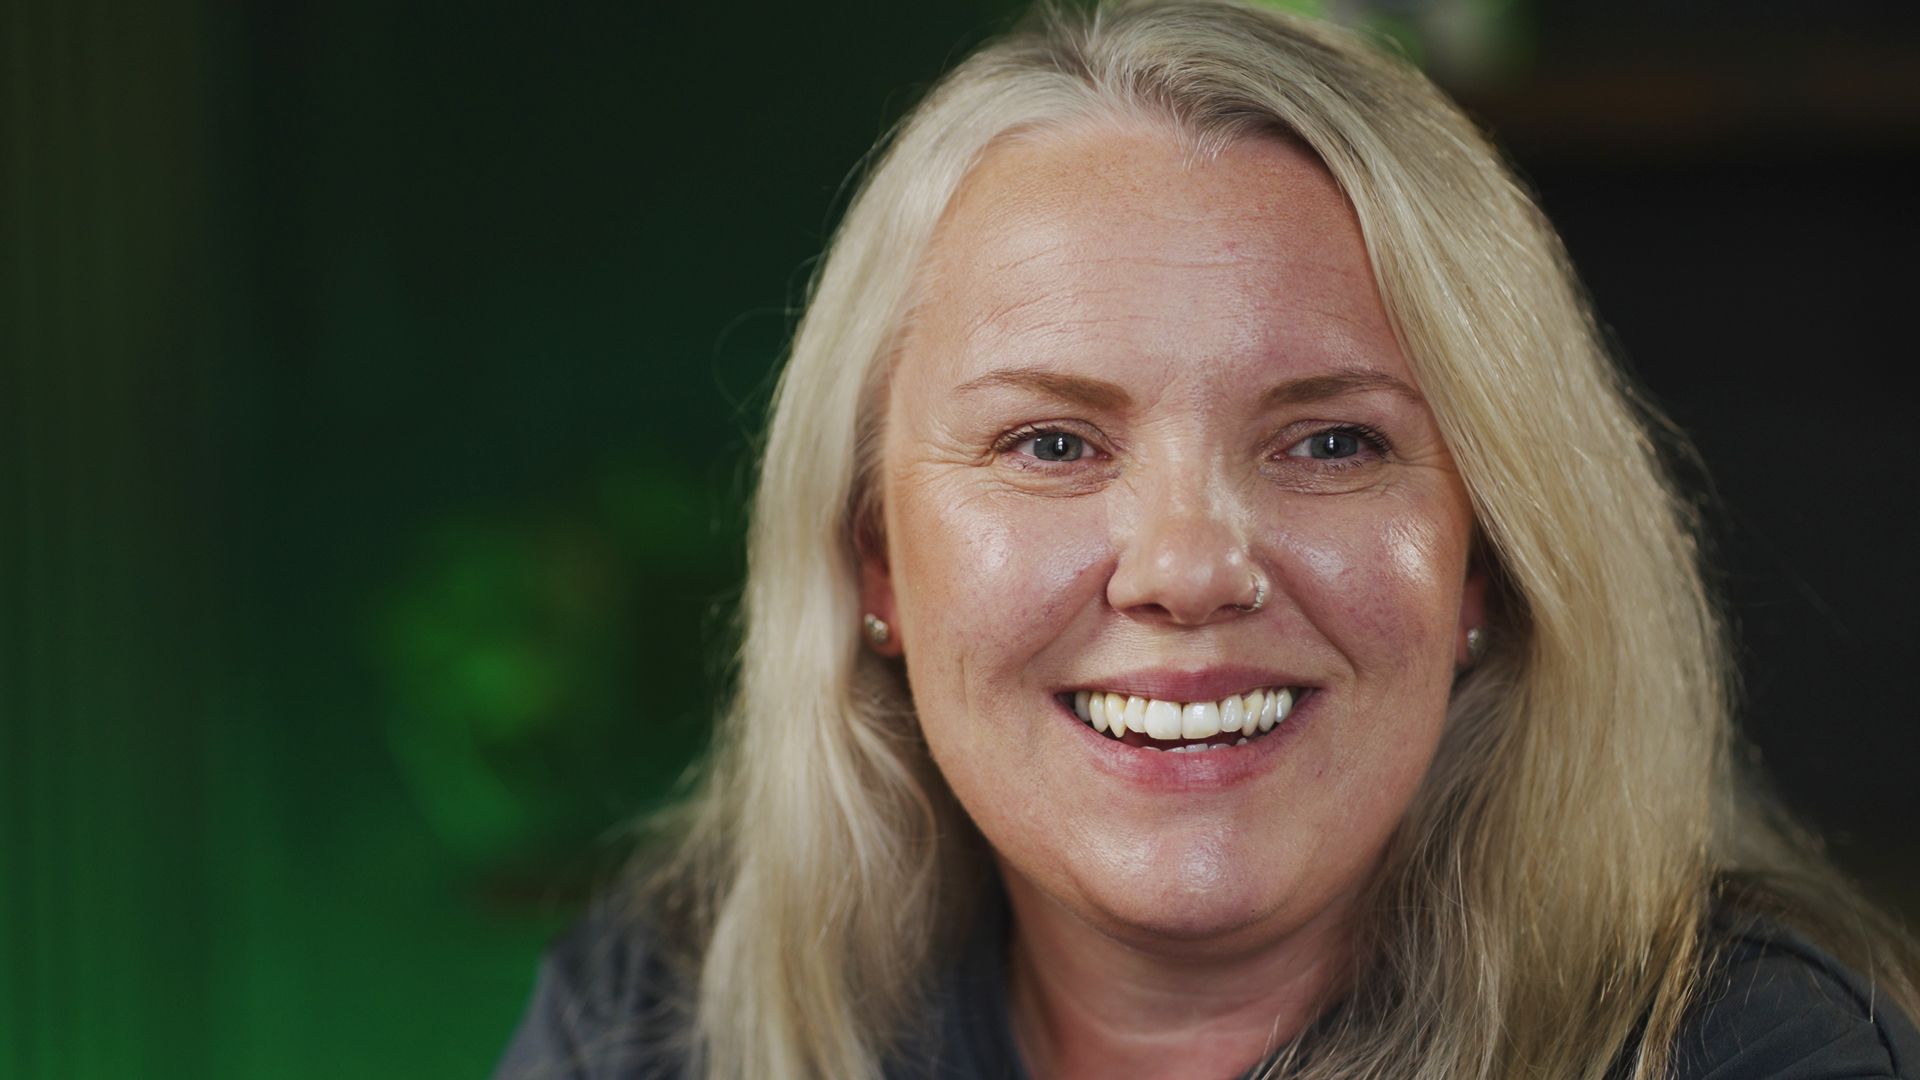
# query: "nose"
{"points": [[1187, 560]]}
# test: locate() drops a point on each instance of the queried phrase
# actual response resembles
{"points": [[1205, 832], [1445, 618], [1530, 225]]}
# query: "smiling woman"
{"points": [[1207, 485], [1214, 609]]}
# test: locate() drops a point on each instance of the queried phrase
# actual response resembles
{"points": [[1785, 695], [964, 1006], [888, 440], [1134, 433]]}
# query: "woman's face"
{"points": [[1140, 395]]}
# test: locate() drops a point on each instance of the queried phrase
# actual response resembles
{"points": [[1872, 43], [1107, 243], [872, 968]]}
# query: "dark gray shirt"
{"points": [[1776, 1008]]}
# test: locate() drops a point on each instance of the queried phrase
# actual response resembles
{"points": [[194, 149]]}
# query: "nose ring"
{"points": [[1259, 596]]}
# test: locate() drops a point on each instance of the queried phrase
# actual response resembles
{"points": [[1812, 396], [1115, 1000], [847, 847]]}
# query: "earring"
{"points": [[1259, 596], [878, 632], [1476, 644]]}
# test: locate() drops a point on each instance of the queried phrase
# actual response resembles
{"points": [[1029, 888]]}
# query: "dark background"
{"points": [[377, 383]]}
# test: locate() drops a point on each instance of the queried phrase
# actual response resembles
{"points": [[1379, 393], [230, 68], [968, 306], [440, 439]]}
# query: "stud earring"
{"points": [[878, 632], [1476, 644]]}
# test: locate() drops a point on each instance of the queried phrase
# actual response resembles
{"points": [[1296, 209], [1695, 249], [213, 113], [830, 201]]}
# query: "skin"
{"points": [[1176, 928]]}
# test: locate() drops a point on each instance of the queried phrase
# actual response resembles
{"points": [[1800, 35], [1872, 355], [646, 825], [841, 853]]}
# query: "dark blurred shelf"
{"points": [[1808, 100]]}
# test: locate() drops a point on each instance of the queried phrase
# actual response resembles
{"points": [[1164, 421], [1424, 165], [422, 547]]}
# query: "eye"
{"points": [[1034, 445], [1327, 445], [1338, 444], [1058, 446]]}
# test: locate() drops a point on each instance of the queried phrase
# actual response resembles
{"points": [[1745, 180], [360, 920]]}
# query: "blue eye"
{"points": [[1059, 446], [1333, 444], [1339, 444]]}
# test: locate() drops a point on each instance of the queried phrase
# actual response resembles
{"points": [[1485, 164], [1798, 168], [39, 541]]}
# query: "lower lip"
{"points": [[1162, 770]]}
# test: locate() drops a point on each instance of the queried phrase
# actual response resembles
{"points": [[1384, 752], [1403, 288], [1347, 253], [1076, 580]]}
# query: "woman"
{"points": [[1213, 608]]}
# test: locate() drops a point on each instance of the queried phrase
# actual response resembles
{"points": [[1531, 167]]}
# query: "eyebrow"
{"points": [[1339, 384], [1100, 394], [1097, 393]]}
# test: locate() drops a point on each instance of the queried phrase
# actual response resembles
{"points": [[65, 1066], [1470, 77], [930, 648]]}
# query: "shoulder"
{"points": [[1775, 1005], [602, 1008]]}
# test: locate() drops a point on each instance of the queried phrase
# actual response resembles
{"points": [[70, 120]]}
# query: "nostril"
{"points": [[1186, 569], [1190, 601]]}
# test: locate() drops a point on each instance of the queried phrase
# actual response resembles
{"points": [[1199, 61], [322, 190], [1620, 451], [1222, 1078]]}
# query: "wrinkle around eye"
{"points": [[1038, 476], [969, 483], [1319, 476]]}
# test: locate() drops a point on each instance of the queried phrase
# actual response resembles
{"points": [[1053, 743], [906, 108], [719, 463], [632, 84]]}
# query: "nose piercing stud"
{"points": [[878, 631], [1259, 597]]}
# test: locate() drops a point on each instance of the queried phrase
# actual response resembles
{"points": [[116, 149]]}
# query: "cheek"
{"points": [[1382, 588], [996, 594], [992, 575], [1419, 562]]}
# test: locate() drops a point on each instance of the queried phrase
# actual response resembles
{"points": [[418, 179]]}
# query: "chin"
{"points": [[1196, 894], [1213, 924]]}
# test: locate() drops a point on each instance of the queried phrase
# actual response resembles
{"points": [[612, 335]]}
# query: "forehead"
{"points": [[1118, 241]]}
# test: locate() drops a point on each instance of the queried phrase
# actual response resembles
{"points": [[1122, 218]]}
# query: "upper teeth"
{"points": [[1241, 714]]}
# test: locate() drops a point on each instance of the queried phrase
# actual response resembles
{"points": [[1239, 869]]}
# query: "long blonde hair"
{"points": [[1542, 910]]}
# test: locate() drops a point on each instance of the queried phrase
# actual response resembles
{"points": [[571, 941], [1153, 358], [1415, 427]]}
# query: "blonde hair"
{"points": [[1543, 909]]}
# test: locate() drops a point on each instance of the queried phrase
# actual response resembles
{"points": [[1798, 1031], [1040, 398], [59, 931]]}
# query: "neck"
{"points": [[1087, 1004]]}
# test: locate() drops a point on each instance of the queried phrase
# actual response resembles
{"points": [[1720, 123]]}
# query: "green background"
{"points": [[377, 401]]}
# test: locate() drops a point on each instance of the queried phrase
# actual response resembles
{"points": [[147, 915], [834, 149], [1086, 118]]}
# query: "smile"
{"points": [[1185, 726]]}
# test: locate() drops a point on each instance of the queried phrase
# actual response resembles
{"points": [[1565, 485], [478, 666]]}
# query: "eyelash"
{"points": [[1030, 432]]}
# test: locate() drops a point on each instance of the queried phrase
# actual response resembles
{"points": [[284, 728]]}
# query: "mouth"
{"points": [[1185, 727]]}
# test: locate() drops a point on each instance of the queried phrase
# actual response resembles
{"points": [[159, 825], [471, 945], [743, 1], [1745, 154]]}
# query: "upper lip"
{"points": [[1190, 684]]}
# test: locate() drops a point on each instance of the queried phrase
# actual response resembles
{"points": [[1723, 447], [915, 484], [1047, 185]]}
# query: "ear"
{"points": [[1473, 609], [876, 592]]}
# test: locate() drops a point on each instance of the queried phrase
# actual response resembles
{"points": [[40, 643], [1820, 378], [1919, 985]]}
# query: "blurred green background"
{"points": [[378, 383]]}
